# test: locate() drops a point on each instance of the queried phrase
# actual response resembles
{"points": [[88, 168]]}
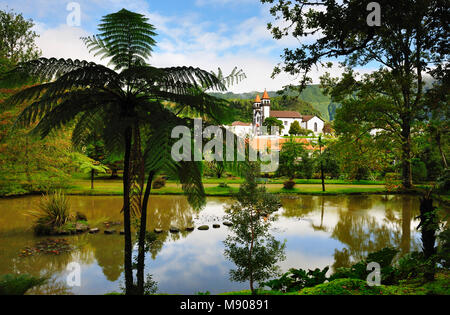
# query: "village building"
{"points": [[262, 110]]}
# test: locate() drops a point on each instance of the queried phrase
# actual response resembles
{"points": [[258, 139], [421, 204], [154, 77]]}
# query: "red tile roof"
{"points": [[240, 123], [285, 114]]}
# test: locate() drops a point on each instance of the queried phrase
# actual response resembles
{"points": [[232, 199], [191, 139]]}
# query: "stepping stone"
{"points": [[190, 228], [158, 231], [174, 229], [203, 228], [95, 230], [81, 228], [216, 226], [227, 223], [122, 232], [110, 231]]}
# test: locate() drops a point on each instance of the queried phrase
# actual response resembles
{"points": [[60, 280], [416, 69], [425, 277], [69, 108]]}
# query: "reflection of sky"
{"points": [[196, 262]]}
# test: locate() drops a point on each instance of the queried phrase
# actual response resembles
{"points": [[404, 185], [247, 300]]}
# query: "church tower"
{"points": [[266, 105], [257, 115]]}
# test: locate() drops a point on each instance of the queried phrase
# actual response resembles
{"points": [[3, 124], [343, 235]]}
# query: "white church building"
{"points": [[261, 111]]}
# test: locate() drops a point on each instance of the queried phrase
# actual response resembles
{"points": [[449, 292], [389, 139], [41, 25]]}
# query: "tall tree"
{"points": [[17, 43], [411, 38], [123, 103]]}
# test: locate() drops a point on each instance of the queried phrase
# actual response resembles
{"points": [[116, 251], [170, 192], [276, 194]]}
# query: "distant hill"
{"points": [[310, 101]]}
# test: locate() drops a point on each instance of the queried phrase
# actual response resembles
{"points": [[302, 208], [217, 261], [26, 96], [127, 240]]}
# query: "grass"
{"points": [[114, 188]]}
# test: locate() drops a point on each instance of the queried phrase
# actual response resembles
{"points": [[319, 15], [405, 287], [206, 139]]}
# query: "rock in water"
{"points": [[110, 231], [227, 223], [216, 226], [203, 228], [190, 228], [174, 229], [158, 231], [95, 230]]}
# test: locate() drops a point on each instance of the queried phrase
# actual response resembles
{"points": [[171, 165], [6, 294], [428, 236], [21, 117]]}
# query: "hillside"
{"points": [[310, 101]]}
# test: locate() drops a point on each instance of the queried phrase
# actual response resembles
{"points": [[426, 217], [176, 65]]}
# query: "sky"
{"points": [[200, 33]]}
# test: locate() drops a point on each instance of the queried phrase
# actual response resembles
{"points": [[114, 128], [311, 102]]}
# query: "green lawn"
{"points": [[114, 187]]}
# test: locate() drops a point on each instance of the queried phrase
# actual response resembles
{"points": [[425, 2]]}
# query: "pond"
{"points": [[319, 231]]}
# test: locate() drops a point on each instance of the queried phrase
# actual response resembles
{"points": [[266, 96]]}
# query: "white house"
{"points": [[261, 111], [241, 129]]}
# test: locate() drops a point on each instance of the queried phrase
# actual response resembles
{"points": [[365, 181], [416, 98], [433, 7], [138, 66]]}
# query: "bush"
{"points": [[81, 216], [297, 279], [289, 184], [384, 257], [159, 183], [53, 213], [344, 287], [12, 284], [443, 182]]}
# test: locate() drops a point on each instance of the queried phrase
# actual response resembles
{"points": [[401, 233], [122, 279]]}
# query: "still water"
{"points": [[319, 231]]}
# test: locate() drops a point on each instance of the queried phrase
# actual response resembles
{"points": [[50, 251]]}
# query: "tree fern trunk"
{"points": [[142, 230], [129, 286]]}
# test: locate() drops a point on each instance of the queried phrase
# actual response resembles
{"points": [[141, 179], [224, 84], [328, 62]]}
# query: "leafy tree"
{"points": [[412, 37], [295, 128], [251, 247], [270, 122], [124, 104], [17, 43]]}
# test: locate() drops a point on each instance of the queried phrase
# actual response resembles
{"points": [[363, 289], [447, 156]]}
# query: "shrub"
{"points": [[289, 184], [159, 183], [344, 287], [443, 182], [53, 213], [297, 279], [12, 284], [81, 216]]}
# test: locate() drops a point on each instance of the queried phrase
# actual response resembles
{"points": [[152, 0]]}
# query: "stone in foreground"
{"points": [[110, 231], [216, 226], [227, 223], [93, 231], [203, 228], [158, 230]]}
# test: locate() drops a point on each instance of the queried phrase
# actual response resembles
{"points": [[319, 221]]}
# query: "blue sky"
{"points": [[202, 33]]}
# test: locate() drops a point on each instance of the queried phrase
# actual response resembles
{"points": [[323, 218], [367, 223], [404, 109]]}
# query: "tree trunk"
{"points": [[406, 154], [142, 232], [129, 286], [250, 255]]}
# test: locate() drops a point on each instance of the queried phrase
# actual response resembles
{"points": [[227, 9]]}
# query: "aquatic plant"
{"points": [[53, 212]]}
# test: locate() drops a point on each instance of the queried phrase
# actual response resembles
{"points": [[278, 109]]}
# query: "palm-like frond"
{"points": [[234, 77], [125, 37]]}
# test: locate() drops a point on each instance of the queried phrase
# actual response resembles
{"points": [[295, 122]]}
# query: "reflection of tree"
{"points": [[299, 207], [322, 212], [362, 234], [109, 251]]}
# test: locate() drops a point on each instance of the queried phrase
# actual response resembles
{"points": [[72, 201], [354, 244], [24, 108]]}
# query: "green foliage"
{"points": [[345, 287], [297, 279], [251, 247], [289, 184], [419, 170], [53, 213], [443, 182], [295, 128], [359, 270], [13, 284], [17, 43], [294, 160], [270, 122]]}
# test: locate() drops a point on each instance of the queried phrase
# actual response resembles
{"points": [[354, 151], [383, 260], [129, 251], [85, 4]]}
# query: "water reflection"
{"points": [[320, 231]]}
